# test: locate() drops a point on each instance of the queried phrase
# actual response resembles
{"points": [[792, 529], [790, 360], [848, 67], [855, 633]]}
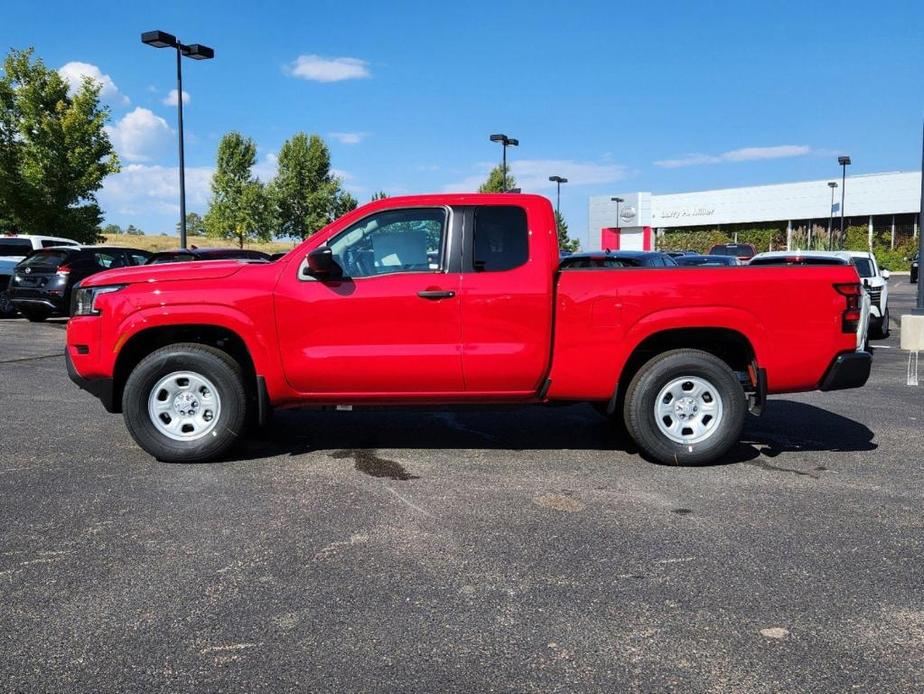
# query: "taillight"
{"points": [[63, 270], [850, 318]]}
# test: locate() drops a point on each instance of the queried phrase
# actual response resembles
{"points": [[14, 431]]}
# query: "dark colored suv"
{"points": [[42, 283], [185, 255]]}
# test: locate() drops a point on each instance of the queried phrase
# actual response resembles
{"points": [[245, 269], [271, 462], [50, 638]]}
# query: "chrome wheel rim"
{"points": [[184, 406], [688, 410]]}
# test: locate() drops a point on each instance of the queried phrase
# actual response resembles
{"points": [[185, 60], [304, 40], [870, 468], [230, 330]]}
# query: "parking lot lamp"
{"points": [[505, 143], [919, 306], [832, 185], [844, 162], [196, 51], [617, 201], [558, 180]]}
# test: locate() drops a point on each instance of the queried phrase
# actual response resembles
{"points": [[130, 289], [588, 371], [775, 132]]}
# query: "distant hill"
{"points": [[166, 243]]}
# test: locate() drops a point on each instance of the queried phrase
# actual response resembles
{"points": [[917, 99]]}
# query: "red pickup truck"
{"points": [[447, 299]]}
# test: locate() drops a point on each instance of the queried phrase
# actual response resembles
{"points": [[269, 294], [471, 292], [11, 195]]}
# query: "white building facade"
{"points": [[883, 201]]}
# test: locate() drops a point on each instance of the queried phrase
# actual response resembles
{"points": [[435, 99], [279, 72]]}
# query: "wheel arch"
{"points": [[145, 341]]}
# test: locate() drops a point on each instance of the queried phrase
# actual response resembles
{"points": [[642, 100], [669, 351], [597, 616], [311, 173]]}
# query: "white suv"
{"points": [[13, 249], [875, 279]]}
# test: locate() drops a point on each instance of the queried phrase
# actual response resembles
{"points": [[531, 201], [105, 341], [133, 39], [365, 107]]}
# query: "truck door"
{"points": [[506, 301], [391, 324]]}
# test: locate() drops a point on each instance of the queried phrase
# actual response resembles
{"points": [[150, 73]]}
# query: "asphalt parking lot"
{"points": [[518, 550]]}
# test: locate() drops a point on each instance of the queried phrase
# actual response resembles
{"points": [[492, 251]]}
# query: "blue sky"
{"points": [[617, 96]]}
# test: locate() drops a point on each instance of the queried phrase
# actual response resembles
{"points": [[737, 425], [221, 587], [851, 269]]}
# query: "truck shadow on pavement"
{"points": [[786, 427]]}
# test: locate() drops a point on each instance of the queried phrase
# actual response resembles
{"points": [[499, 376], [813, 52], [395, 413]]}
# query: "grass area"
{"points": [[166, 243]]}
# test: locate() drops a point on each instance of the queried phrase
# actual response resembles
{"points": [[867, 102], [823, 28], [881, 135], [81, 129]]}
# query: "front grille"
{"points": [[874, 295]]}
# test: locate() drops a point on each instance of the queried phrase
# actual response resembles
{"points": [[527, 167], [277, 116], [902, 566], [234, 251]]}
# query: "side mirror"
{"points": [[886, 274], [320, 263]]}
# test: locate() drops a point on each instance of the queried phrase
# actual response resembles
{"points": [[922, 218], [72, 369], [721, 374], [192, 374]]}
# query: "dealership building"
{"points": [[887, 203]]}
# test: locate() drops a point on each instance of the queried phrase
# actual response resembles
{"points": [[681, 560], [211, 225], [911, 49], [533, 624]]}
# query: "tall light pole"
{"points": [[505, 143], [196, 51], [617, 201], [844, 162], [919, 308], [832, 185], [558, 180]]}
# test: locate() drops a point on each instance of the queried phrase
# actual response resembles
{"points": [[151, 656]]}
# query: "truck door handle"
{"points": [[433, 294]]}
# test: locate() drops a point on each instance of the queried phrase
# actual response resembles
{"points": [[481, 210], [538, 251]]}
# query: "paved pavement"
{"points": [[526, 550]]}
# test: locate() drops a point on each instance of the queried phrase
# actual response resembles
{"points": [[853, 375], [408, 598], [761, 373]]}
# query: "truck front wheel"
{"points": [[185, 403], [685, 407]]}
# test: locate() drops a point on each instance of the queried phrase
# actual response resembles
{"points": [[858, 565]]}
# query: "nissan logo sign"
{"points": [[627, 213]]}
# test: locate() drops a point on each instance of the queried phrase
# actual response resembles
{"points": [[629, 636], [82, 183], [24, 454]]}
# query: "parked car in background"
{"points": [[707, 261], [599, 260], [13, 249], [742, 251], [41, 285], [186, 255], [915, 261], [875, 288]]}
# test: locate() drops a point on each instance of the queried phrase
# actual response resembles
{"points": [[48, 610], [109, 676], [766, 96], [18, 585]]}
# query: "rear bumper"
{"points": [[99, 387], [54, 304], [848, 370]]}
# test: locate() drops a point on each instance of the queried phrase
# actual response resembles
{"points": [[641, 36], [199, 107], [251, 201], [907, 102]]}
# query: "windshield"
{"points": [[15, 247], [864, 267]]}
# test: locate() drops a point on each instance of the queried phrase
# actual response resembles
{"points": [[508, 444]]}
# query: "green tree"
{"points": [[132, 230], [239, 208], [195, 226], [345, 203], [381, 195], [305, 195], [54, 150], [495, 181], [564, 242], [111, 230]]}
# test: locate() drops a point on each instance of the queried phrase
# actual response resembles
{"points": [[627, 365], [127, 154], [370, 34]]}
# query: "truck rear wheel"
{"points": [[185, 403], [685, 407]]}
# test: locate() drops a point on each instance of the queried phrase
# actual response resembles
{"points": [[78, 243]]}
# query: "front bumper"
{"points": [[848, 370], [99, 387]]}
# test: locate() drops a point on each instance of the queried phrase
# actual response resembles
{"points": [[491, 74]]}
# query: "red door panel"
{"points": [[372, 335]]}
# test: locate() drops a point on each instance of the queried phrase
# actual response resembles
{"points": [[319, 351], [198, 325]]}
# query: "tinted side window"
{"points": [[51, 243], [109, 259], [501, 238], [14, 247], [138, 257]]}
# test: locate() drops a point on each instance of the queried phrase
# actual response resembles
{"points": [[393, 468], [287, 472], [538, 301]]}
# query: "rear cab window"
{"points": [[500, 238]]}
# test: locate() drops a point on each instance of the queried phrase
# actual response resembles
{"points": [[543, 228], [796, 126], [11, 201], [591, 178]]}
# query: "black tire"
{"points": [[7, 310], [34, 315], [879, 329], [671, 366], [216, 366]]}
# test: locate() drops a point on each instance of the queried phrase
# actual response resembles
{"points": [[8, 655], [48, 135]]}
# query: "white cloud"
{"points": [[266, 168], [139, 134], [532, 175], [74, 72], [319, 69], [142, 189], [170, 99], [737, 155], [349, 138]]}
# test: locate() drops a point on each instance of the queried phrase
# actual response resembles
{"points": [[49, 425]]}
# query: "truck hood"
{"points": [[168, 272]]}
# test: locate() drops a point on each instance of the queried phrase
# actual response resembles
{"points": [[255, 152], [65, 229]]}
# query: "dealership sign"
{"points": [[687, 212]]}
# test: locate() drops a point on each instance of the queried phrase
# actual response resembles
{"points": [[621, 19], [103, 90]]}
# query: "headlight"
{"points": [[85, 299]]}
